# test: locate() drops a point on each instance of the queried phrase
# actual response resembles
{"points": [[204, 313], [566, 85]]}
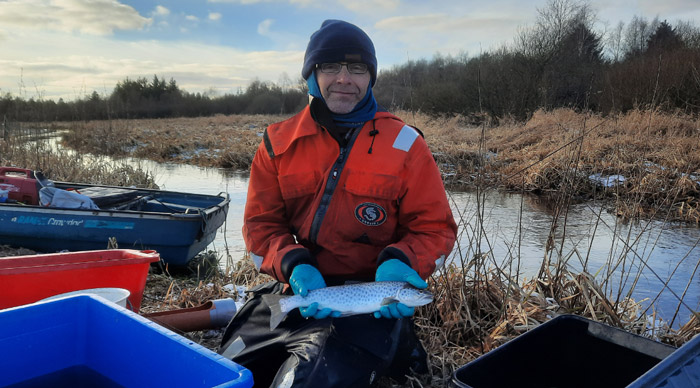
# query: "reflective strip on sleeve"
{"points": [[257, 260], [439, 263], [405, 139]]}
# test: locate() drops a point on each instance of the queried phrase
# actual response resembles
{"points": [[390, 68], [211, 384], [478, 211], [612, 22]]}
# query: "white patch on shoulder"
{"points": [[257, 260], [405, 139], [439, 263]]}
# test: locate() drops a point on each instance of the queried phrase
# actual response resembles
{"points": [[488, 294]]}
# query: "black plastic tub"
{"points": [[568, 351]]}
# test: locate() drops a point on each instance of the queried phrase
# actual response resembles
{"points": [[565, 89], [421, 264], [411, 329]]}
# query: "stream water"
{"points": [[657, 260], [515, 230]]}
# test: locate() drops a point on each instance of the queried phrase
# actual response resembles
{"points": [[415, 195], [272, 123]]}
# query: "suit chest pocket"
{"points": [[299, 185], [373, 186]]}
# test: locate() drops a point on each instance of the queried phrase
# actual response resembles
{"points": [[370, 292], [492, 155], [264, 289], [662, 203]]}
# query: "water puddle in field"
{"points": [[514, 233]]}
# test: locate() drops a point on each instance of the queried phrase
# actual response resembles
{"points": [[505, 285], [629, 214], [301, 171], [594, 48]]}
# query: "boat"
{"points": [[177, 225]]}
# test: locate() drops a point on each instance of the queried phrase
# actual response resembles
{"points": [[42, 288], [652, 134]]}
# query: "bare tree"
{"points": [[554, 22], [614, 42], [637, 35], [689, 34]]}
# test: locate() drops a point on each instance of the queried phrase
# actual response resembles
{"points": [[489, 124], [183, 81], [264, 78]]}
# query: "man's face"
{"points": [[342, 91]]}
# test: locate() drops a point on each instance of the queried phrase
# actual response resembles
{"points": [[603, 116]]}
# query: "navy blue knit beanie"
{"points": [[339, 41]]}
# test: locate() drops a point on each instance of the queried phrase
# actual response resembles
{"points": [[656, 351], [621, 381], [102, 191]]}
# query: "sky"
{"points": [[51, 49]]}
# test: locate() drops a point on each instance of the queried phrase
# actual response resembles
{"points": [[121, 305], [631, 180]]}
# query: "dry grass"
{"points": [[202, 281], [657, 153], [477, 307], [217, 141], [65, 165], [474, 311]]}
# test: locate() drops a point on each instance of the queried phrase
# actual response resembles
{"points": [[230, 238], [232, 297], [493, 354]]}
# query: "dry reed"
{"points": [[217, 141], [479, 307], [657, 153], [32, 151], [474, 311]]}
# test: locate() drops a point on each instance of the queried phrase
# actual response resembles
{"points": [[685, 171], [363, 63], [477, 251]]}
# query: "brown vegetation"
{"points": [[25, 151], [477, 307], [474, 311], [657, 153], [219, 141]]}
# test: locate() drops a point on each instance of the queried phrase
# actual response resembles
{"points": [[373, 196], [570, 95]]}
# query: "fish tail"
{"points": [[276, 312]]}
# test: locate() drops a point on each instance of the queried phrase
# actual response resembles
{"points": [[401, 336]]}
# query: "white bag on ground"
{"points": [[54, 197]]}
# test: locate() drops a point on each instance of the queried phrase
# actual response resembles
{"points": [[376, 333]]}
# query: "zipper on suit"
{"points": [[331, 184]]}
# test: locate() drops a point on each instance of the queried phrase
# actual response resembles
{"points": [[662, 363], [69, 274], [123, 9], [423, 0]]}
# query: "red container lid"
{"points": [[27, 279]]}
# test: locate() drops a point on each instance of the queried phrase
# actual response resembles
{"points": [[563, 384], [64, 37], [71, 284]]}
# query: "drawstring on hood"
{"points": [[374, 132]]}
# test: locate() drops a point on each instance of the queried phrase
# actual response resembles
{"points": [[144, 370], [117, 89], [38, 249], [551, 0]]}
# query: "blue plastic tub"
{"points": [[86, 340], [680, 369]]}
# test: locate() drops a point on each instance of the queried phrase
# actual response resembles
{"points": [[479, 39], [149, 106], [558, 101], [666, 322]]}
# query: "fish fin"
{"points": [[276, 313], [389, 300]]}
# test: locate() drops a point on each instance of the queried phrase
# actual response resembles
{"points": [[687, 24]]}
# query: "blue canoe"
{"points": [[176, 225]]}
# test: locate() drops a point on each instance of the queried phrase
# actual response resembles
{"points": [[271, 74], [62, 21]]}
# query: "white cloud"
{"points": [[161, 11], [305, 3], [367, 6], [242, 1], [281, 40], [672, 10], [298, 2], [71, 52], [264, 27], [443, 23], [82, 64], [422, 36], [664, 9], [96, 17]]}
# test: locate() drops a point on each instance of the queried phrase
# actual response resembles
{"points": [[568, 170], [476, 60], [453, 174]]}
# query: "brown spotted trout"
{"points": [[351, 299]]}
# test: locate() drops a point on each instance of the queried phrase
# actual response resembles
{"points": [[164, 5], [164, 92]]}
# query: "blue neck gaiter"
{"points": [[363, 111]]}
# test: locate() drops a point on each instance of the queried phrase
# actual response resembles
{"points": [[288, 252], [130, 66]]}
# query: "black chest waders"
{"points": [[352, 351]]}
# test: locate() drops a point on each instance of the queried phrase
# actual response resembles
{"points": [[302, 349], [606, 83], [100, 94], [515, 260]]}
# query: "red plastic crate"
{"points": [[27, 279], [25, 186]]}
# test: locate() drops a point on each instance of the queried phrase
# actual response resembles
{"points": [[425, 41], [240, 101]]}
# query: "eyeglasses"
{"points": [[334, 68]]}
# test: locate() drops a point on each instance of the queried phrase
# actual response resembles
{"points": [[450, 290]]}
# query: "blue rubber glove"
{"points": [[305, 278], [397, 270]]}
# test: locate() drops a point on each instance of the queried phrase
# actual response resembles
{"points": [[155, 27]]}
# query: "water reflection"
{"points": [[515, 231], [202, 180], [517, 228]]}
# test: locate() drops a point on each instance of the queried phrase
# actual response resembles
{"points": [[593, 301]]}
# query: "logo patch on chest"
{"points": [[370, 214]]}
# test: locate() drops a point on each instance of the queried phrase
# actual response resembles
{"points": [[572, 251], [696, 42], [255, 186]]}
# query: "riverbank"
{"points": [[478, 307], [472, 314], [643, 163]]}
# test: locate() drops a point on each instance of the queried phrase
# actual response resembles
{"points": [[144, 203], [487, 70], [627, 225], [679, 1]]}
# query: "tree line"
{"points": [[157, 98], [560, 61]]}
